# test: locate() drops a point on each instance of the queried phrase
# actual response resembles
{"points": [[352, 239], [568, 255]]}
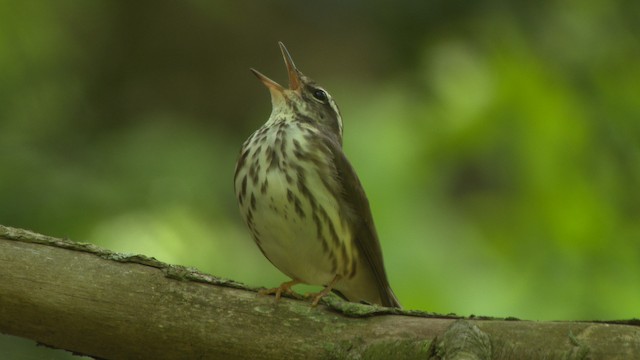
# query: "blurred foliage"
{"points": [[499, 142]]}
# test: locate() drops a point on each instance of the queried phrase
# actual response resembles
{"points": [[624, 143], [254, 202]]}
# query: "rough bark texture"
{"points": [[103, 304]]}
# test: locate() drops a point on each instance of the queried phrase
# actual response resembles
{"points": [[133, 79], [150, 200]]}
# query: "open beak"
{"points": [[294, 74], [292, 71], [270, 84]]}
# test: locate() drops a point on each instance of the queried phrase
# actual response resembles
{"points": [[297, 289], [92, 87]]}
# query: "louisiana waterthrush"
{"points": [[302, 199]]}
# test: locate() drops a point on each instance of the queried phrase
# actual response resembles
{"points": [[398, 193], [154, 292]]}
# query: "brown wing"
{"points": [[361, 222]]}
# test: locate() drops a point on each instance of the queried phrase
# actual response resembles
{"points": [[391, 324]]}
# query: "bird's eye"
{"points": [[320, 95]]}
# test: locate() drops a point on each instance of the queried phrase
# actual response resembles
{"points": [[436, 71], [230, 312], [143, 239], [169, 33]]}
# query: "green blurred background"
{"points": [[498, 141]]}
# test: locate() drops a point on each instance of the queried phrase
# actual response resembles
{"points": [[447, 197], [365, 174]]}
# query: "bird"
{"points": [[302, 201]]}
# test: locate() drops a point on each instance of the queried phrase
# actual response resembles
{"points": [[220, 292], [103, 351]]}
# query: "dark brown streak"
{"points": [[243, 189], [272, 158], [316, 220], [334, 234], [253, 201], [241, 160], [296, 145], [253, 173], [293, 199], [288, 178], [249, 218], [302, 156], [298, 152], [298, 208], [305, 119], [256, 152], [302, 187], [290, 196], [330, 225]]}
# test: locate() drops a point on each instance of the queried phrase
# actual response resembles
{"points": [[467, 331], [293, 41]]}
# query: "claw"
{"points": [[319, 295], [285, 288]]}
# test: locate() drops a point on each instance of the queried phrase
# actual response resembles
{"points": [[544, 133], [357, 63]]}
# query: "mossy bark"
{"points": [[92, 301]]}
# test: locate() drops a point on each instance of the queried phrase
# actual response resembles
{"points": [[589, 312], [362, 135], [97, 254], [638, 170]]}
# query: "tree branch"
{"points": [[103, 304]]}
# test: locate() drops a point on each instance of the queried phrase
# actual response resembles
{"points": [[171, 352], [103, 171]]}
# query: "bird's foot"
{"points": [[284, 288], [319, 295]]}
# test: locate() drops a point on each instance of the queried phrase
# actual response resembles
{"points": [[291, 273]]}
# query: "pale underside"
{"points": [[308, 240]]}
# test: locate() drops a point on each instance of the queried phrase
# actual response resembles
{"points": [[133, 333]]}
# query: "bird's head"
{"points": [[304, 100]]}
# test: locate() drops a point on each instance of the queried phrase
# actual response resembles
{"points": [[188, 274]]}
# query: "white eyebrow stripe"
{"points": [[334, 107]]}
